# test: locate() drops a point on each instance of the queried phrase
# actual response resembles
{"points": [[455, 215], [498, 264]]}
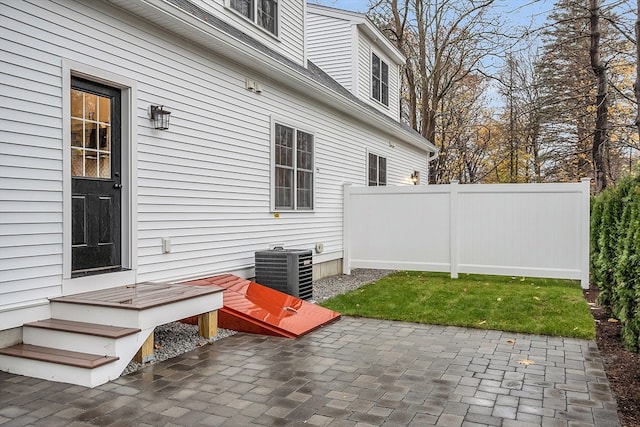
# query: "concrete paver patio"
{"points": [[355, 372]]}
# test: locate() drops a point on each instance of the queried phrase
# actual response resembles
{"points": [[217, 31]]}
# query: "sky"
{"points": [[521, 11], [352, 5]]}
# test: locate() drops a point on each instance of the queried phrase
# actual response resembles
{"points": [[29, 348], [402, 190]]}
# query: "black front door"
{"points": [[95, 178]]}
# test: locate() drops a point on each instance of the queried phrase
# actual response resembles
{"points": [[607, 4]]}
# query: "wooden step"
{"points": [[62, 357], [143, 306], [84, 328]]}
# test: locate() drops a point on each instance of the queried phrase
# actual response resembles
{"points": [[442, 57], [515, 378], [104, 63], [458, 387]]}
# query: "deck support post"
{"points": [[208, 324], [145, 354]]}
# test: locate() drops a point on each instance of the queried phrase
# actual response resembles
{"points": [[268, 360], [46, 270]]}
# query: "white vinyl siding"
{"points": [[329, 47], [31, 171], [204, 183], [290, 35]]}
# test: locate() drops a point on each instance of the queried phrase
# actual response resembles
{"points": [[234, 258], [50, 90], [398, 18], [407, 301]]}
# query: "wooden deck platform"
{"points": [[140, 296]]}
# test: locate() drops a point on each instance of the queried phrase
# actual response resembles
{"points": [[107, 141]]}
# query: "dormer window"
{"points": [[263, 13], [379, 80]]}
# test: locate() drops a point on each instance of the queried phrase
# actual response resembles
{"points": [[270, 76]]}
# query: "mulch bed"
{"points": [[622, 366]]}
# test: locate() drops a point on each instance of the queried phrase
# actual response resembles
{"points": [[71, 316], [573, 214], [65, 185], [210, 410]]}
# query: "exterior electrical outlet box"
{"points": [[286, 270]]}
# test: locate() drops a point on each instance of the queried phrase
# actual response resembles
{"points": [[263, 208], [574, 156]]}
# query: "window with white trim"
{"points": [[379, 80], [293, 168], [377, 170], [263, 13]]}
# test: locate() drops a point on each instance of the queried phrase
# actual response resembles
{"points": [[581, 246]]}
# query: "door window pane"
{"points": [[77, 162], [90, 135], [77, 105], [76, 133], [104, 165], [90, 106], [90, 164], [104, 137], [104, 110]]}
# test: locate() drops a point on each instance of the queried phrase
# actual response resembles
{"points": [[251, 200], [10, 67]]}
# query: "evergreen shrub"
{"points": [[615, 254]]}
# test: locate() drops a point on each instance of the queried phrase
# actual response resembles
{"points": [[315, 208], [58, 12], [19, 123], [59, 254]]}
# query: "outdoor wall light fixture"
{"points": [[415, 177], [160, 117]]}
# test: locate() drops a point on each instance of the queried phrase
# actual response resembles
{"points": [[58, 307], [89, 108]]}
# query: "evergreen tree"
{"points": [[626, 297], [569, 90], [597, 208], [607, 236], [615, 254]]}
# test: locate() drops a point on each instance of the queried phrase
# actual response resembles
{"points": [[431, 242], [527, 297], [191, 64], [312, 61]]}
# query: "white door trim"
{"points": [[129, 178]]}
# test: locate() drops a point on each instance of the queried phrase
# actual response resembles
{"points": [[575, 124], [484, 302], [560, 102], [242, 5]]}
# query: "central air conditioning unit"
{"points": [[286, 270]]}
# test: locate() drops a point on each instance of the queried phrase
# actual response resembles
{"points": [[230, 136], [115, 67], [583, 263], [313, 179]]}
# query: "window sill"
{"points": [[280, 211], [376, 102]]}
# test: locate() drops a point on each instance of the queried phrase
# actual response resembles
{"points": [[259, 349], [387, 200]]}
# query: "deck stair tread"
{"points": [[84, 328], [53, 355], [140, 296]]}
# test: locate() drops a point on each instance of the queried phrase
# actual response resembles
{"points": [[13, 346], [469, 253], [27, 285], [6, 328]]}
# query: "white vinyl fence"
{"points": [[535, 230]]}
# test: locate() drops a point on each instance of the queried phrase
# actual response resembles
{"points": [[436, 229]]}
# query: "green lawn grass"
{"points": [[514, 304]]}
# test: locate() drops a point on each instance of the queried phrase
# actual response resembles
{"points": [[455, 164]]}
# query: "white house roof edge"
{"points": [[347, 15], [154, 10], [379, 38]]}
